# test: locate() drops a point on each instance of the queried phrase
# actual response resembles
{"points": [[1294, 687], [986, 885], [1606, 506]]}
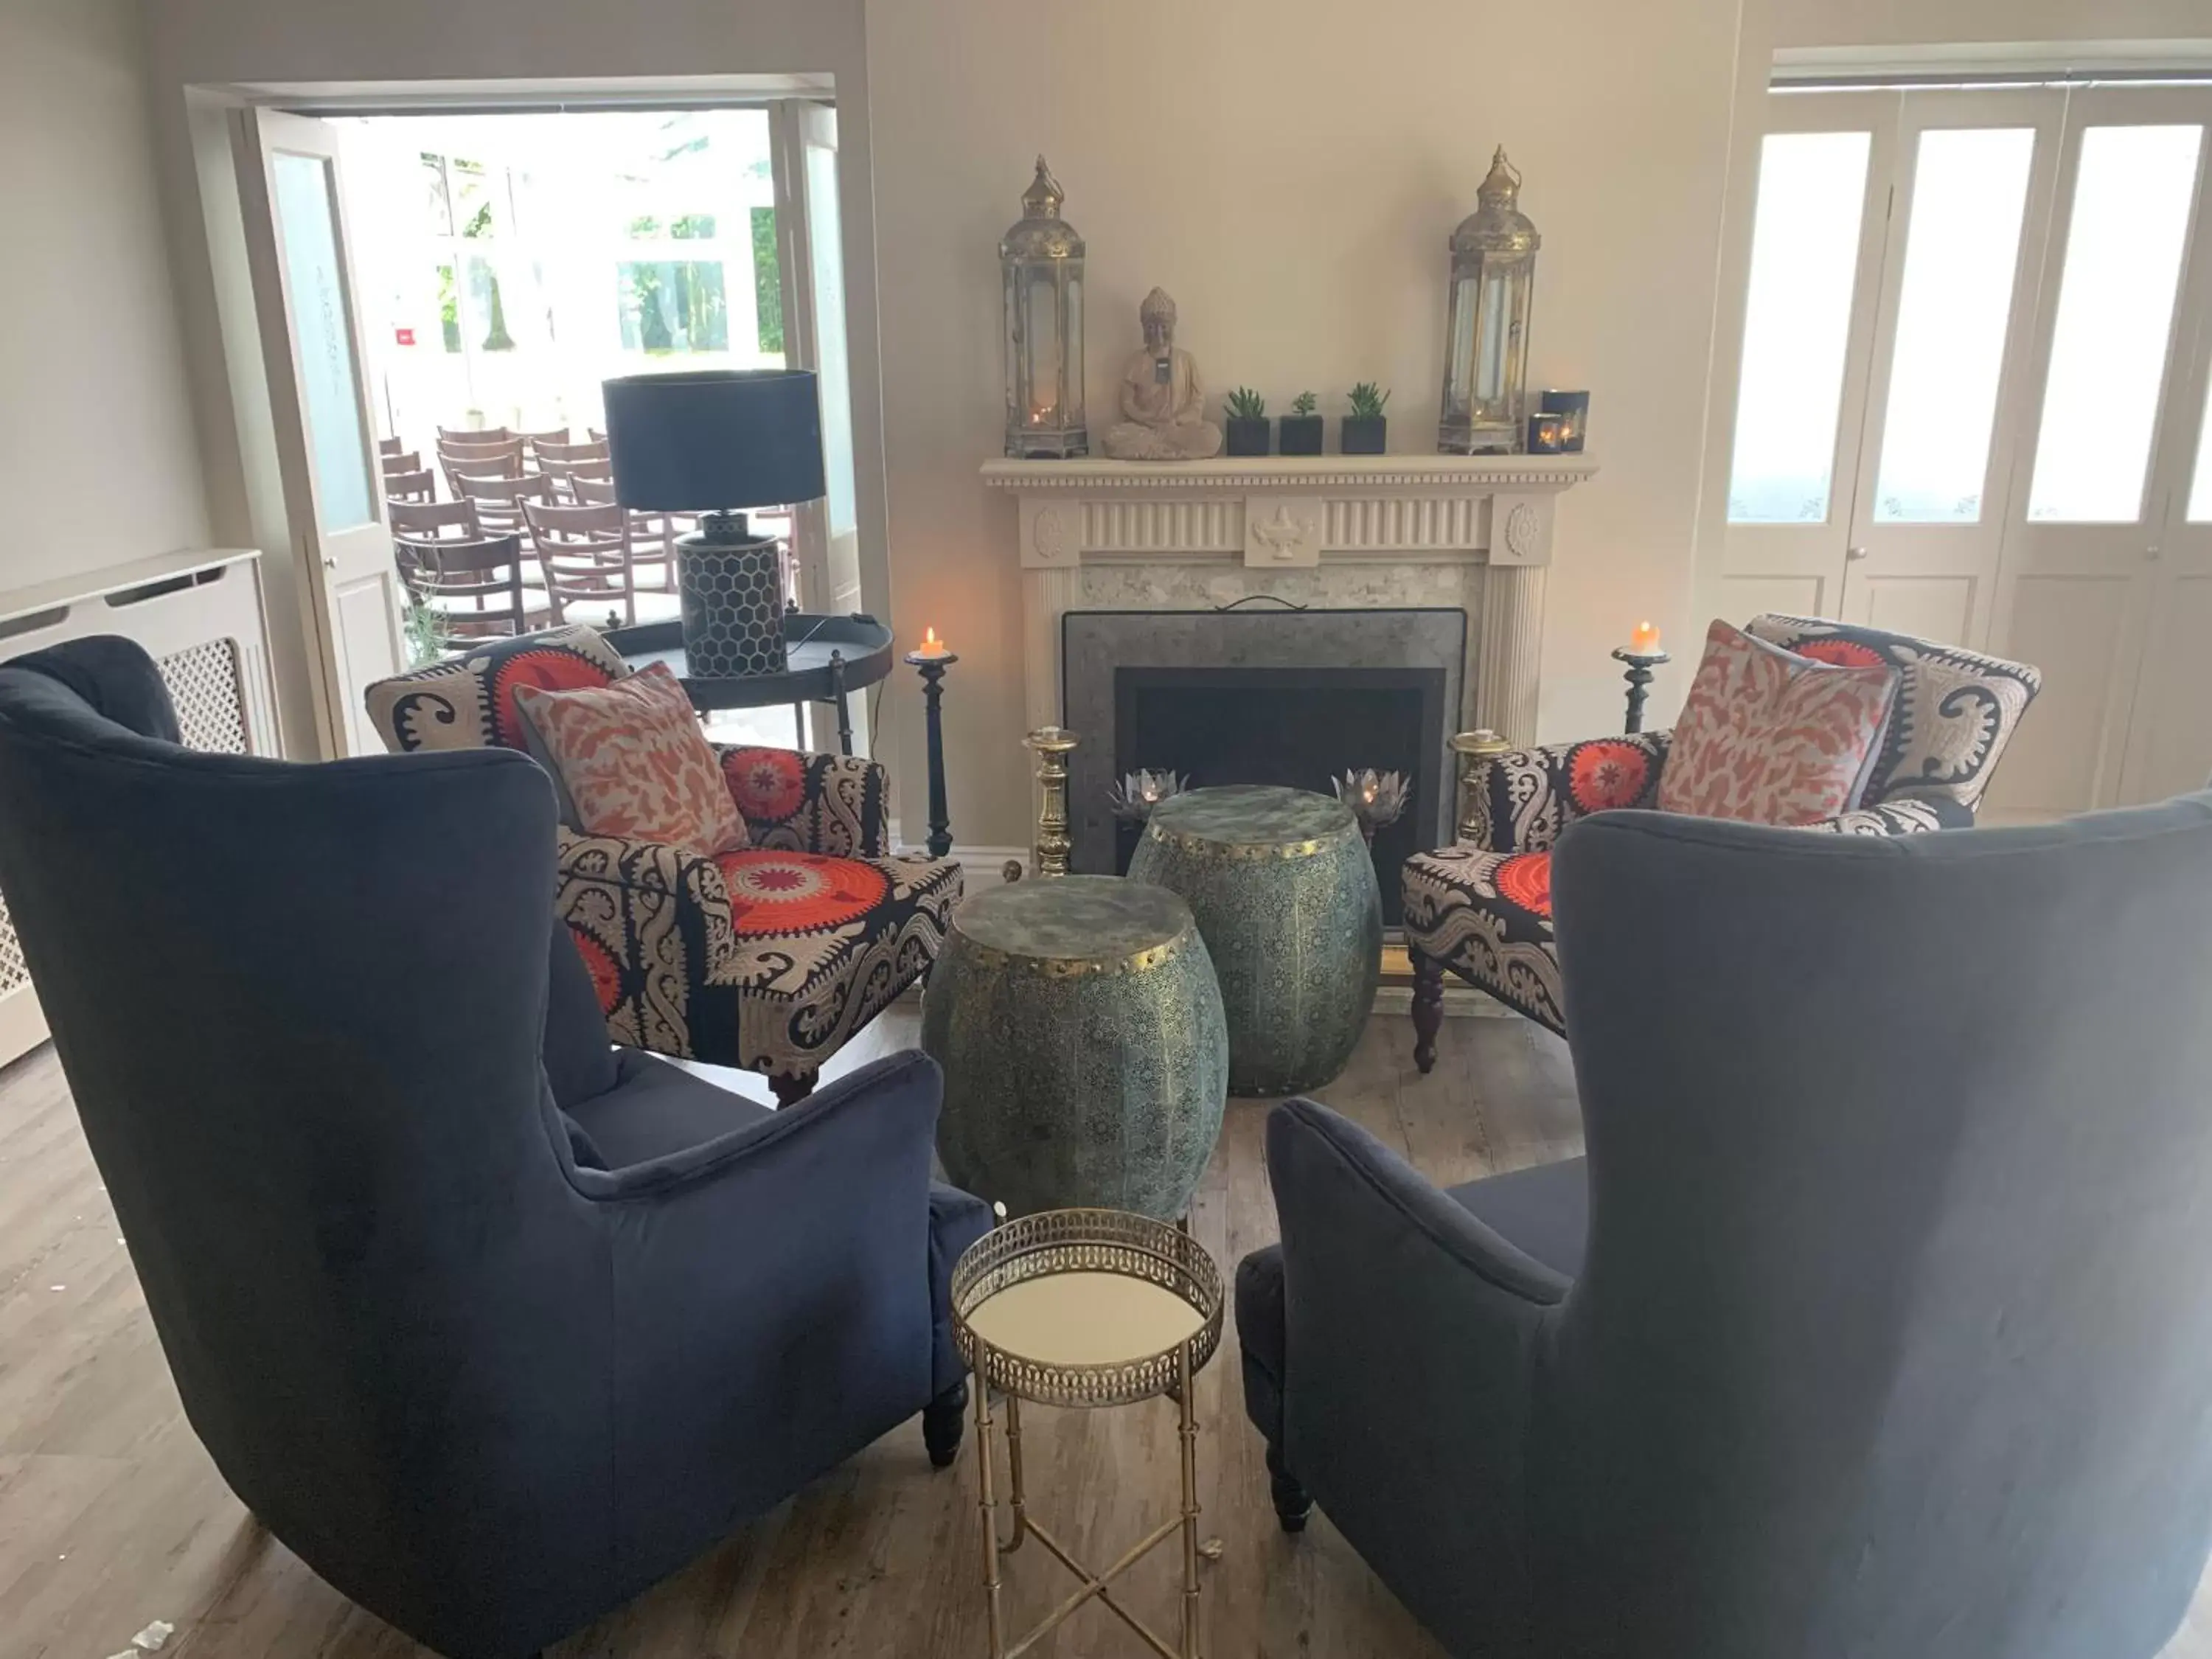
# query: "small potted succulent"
{"points": [[1365, 432], [1248, 422], [1301, 433]]}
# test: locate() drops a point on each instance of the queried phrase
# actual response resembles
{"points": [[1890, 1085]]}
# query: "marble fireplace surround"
{"points": [[1469, 532]]}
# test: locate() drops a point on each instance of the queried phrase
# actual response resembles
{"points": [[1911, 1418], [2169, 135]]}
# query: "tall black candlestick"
{"points": [[1640, 665], [932, 666]]}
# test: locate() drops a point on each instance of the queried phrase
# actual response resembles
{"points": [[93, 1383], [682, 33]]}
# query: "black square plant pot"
{"points": [[1301, 435], [1364, 435], [1247, 435]]}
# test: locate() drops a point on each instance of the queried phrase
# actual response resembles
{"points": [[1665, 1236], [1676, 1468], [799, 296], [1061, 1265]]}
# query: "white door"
{"points": [[1818, 244], [2169, 749], [1968, 214], [827, 533], [2103, 455], [312, 347]]}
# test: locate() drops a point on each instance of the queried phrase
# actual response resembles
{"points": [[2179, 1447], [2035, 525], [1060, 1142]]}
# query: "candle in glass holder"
{"points": [[931, 646], [1546, 434], [1643, 641]]}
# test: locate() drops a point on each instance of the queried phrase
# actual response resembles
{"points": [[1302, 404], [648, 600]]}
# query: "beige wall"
{"points": [[1289, 170], [97, 461]]}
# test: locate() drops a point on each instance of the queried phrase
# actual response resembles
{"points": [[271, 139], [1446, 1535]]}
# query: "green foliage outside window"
{"points": [[768, 281], [449, 308], [674, 305]]}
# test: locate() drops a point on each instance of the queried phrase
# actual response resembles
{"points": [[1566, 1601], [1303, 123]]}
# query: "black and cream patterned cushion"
{"points": [[1955, 709]]}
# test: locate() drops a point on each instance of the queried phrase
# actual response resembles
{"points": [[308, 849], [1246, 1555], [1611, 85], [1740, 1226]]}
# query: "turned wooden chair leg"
{"points": [[790, 1090], [1428, 1009], [943, 1421]]}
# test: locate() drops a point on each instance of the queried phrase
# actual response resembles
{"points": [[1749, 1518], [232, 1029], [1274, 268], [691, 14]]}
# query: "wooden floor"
{"points": [[111, 1515]]}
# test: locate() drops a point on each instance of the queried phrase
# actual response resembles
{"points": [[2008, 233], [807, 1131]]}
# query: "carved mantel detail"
{"points": [[1492, 515]]}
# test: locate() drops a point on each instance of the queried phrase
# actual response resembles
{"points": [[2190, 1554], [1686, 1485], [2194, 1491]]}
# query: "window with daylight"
{"points": [[523, 259], [1812, 189]]}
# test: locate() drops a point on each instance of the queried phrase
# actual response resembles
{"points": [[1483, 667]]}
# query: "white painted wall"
{"points": [[1289, 170], [97, 460]]}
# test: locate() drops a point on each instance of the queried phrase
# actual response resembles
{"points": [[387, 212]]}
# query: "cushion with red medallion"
{"points": [[467, 702], [1487, 916], [769, 785], [1604, 774], [773, 891], [1954, 715]]}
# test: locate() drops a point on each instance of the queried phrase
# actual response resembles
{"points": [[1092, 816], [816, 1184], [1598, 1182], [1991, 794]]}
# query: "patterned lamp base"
{"points": [[732, 598]]}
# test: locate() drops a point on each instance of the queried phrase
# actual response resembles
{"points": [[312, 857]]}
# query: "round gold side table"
{"points": [[1085, 1307]]}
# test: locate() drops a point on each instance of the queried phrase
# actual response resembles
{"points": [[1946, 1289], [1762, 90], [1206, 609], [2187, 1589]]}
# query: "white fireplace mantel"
{"points": [[1342, 529]]}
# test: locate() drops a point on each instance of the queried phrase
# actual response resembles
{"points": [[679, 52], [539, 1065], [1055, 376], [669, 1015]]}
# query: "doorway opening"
{"points": [[453, 288]]}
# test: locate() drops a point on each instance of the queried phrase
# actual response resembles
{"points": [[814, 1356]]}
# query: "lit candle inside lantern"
{"points": [[931, 646], [1644, 641]]}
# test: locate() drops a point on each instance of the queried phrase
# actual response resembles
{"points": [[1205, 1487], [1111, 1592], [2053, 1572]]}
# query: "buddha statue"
{"points": [[1163, 402]]}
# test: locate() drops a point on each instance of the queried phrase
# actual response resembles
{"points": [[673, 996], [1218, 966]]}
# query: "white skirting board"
{"points": [[200, 616]]}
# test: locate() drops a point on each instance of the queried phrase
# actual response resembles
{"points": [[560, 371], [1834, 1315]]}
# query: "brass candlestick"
{"points": [[1050, 743], [1473, 748]]}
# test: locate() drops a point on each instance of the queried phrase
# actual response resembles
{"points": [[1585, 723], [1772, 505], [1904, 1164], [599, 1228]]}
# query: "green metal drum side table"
{"points": [[1284, 890], [1086, 1056]]}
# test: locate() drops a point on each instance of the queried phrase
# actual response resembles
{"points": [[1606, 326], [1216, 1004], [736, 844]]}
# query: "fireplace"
{"points": [[1263, 696]]}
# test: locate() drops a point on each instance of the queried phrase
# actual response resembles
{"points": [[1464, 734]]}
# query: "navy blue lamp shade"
{"points": [[716, 442]]}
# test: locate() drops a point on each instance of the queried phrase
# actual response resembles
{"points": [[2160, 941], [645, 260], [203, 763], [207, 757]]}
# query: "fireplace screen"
{"points": [[1280, 696]]}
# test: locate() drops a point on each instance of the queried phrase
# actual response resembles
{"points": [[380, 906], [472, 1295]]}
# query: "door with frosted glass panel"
{"points": [[826, 533], [2104, 450], [1968, 216], [1818, 244], [2169, 750], [313, 352]]}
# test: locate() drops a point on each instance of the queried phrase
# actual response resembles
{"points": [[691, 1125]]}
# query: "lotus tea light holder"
{"points": [[1133, 799], [1377, 799]]}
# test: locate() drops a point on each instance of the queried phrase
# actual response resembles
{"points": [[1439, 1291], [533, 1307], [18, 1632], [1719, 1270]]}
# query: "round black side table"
{"points": [[830, 657]]}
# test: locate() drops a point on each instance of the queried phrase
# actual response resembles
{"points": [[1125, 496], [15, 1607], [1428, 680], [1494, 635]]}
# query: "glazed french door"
{"points": [[1972, 405], [2102, 563], [1818, 244], [1896, 259], [314, 352]]}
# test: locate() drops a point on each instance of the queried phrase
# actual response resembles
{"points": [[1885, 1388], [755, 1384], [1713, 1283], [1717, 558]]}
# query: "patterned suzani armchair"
{"points": [[1483, 908], [767, 959]]}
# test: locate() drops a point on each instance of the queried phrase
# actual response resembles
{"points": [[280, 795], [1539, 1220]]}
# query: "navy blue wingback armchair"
{"points": [[1878, 1322], [491, 1324]]}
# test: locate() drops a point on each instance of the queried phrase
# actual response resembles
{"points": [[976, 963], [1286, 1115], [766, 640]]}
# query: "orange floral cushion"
{"points": [[1770, 737], [634, 760]]}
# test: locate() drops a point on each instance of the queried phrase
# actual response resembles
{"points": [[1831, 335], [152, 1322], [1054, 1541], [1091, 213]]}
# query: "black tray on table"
{"points": [[829, 656]]}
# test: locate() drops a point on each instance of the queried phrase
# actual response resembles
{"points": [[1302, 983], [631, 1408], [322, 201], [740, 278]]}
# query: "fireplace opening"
{"points": [[1296, 726], [1263, 694]]}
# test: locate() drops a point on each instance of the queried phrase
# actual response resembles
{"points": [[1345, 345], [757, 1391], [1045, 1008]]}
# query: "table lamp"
{"points": [[716, 442]]}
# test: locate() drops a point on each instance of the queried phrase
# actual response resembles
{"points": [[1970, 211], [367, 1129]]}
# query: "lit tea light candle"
{"points": [[1643, 641], [931, 646]]}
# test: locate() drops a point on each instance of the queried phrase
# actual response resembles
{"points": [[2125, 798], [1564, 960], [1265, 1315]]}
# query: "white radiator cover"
{"points": [[202, 616]]}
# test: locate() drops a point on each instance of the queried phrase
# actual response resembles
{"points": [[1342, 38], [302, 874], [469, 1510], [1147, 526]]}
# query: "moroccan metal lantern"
{"points": [[1493, 282], [1041, 260]]}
